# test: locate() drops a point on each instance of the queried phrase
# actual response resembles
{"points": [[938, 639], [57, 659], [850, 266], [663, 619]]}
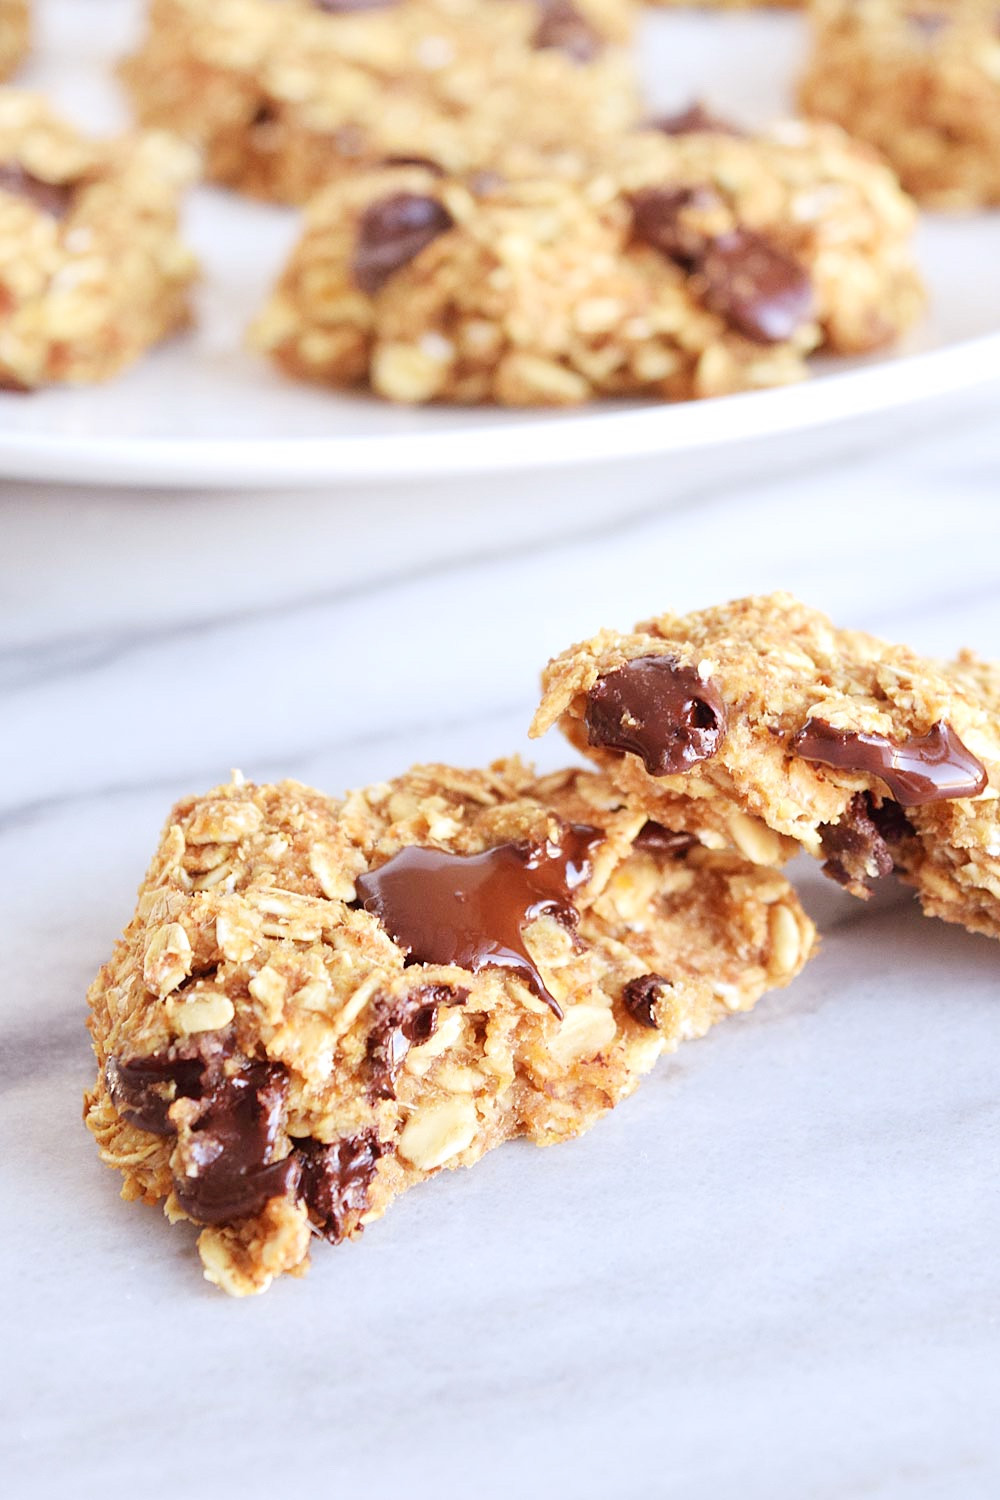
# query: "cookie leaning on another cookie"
{"points": [[685, 261], [92, 268], [320, 1003], [760, 725]]}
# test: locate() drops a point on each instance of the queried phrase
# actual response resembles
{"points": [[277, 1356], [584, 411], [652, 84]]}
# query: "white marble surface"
{"points": [[773, 1273]]}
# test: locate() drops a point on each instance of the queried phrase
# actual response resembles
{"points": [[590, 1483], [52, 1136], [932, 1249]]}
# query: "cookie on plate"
{"points": [[762, 726], [689, 260], [15, 21], [320, 1003], [92, 268], [283, 95], [919, 79]]}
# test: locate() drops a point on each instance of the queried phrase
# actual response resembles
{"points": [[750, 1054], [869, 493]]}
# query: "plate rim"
{"points": [[596, 433]]}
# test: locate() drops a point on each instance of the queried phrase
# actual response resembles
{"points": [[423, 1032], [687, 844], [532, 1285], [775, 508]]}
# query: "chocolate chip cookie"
{"points": [[92, 269], [283, 95], [320, 1003], [762, 726], [687, 260], [919, 79]]}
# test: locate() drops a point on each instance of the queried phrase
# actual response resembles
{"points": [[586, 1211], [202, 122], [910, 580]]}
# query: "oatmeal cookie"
{"points": [[320, 1003], [92, 270], [689, 260], [283, 95], [14, 32], [761, 726], [919, 79]]}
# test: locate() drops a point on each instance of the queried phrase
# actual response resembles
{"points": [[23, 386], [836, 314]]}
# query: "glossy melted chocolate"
{"points": [[656, 709], [472, 909], [931, 767], [231, 1146]]}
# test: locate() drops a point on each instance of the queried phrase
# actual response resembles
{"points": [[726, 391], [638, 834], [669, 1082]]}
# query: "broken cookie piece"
{"points": [[760, 725], [282, 96], [92, 268], [674, 263], [320, 1003]]}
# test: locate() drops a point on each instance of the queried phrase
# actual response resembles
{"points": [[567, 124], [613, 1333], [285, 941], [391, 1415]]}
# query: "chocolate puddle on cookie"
{"points": [[471, 909], [667, 714], [931, 767]]}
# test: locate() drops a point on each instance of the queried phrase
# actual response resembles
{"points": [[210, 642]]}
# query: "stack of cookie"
{"points": [[322, 1002], [491, 216]]}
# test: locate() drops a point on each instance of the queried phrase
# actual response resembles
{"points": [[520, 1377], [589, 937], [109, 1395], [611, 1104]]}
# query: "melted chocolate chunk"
{"points": [[856, 853], [659, 840], [891, 821], [762, 292], [392, 232], [239, 1111], [562, 26], [401, 1024], [658, 218], [335, 1179], [143, 1089], [471, 909], [656, 709], [53, 198], [695, 120], [230, 1174], [931, 767], [641, 995]]}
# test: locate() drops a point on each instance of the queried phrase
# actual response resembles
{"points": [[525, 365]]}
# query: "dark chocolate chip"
{"points": [[929, 24], [471, 909], [640, 997], [229, 1174], [891, 821], [931, 767], [758, 289], [695, 120], [392, 232], [659, 840], [334, 1181], [856, 853], [658, 218], [653, 707], [402, 1023], [236, 1112], [142, 1089], [563, 27], [52, 198]]}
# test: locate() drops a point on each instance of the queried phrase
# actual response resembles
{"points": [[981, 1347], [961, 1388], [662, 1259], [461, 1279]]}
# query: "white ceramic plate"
{"points": [[203, 411]]}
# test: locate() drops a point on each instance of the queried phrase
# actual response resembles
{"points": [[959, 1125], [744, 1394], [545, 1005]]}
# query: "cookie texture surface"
{"points": [[921, 81], [320, 1003], [761, 725], [688, 260], [92, 268], [15, 22], [283, 95]]}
